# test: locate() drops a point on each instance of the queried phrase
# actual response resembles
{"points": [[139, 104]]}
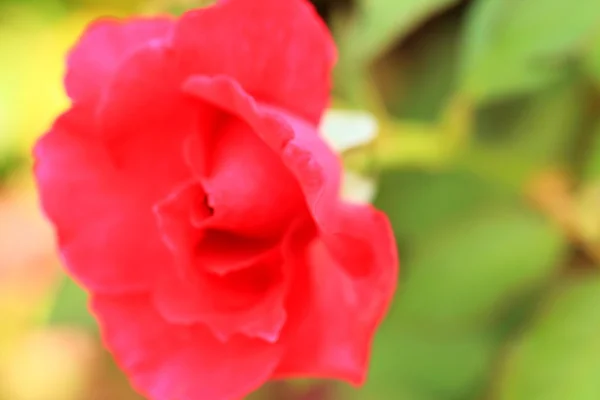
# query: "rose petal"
{"points": [[89, 170], [110, 245], [279, 51], [184, 220], [246, 178], [354, 264], [342, 311], [103, 46], [144, 121], [174, 216], [249, 301], [233, 288], [309, 159], [306, 155], [186, 362]]}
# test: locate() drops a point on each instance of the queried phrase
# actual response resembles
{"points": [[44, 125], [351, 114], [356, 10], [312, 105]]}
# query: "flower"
{"points": [[195, 201]]}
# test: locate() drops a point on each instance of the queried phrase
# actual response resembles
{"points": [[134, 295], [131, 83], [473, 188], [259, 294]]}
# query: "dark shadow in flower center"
{"points": [[222, 252]]}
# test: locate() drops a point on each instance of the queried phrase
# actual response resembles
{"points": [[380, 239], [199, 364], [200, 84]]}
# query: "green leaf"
{"points": [[558, 358], [10, 162], [514, 46], [71, 306], [476, 269], [380, 23], [421, 203], [592, 168], [442, 367], [422, 73], [592, 60], [426, 365], [518, 138]]}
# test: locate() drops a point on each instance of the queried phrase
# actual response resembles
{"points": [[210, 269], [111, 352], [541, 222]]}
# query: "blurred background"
{"points": [[488, 164]]}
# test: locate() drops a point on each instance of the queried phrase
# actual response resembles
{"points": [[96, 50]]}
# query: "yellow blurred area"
{"points": [[51, 364], [37, 362], [31, 90], [31, 83]]}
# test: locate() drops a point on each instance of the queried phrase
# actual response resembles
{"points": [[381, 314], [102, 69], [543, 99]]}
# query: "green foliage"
{"points": [[420, 203], [515, 139], [465, 276], [592, 59], [514, 46], [427, 76], [477, 259], [558, 357], [9, 163], [427, 366], [473, 260], [592, 168], [378, 23], [71, 306]]}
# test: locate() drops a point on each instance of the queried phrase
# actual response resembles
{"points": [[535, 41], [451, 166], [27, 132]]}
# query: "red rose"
{"points": [[195, 201]]}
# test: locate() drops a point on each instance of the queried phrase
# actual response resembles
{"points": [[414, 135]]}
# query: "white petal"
{"points": [[345, 129], [357, 188]]}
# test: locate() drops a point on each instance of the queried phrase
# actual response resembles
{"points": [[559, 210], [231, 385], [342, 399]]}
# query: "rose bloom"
{"points": [[195, 201]]}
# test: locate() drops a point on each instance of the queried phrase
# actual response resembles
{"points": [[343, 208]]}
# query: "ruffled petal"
{"points": [[294, 141], [232, 285], [353, 265], [186, 224], [103, 46], [338, 315], [144, 120], [167, 361], [279, 51], [245, 178], [108, 240], [248, 302], [174, 216], [101, 171]]}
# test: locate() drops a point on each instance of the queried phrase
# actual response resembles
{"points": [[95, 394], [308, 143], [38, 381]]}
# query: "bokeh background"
{"points": [[488, 164]]}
